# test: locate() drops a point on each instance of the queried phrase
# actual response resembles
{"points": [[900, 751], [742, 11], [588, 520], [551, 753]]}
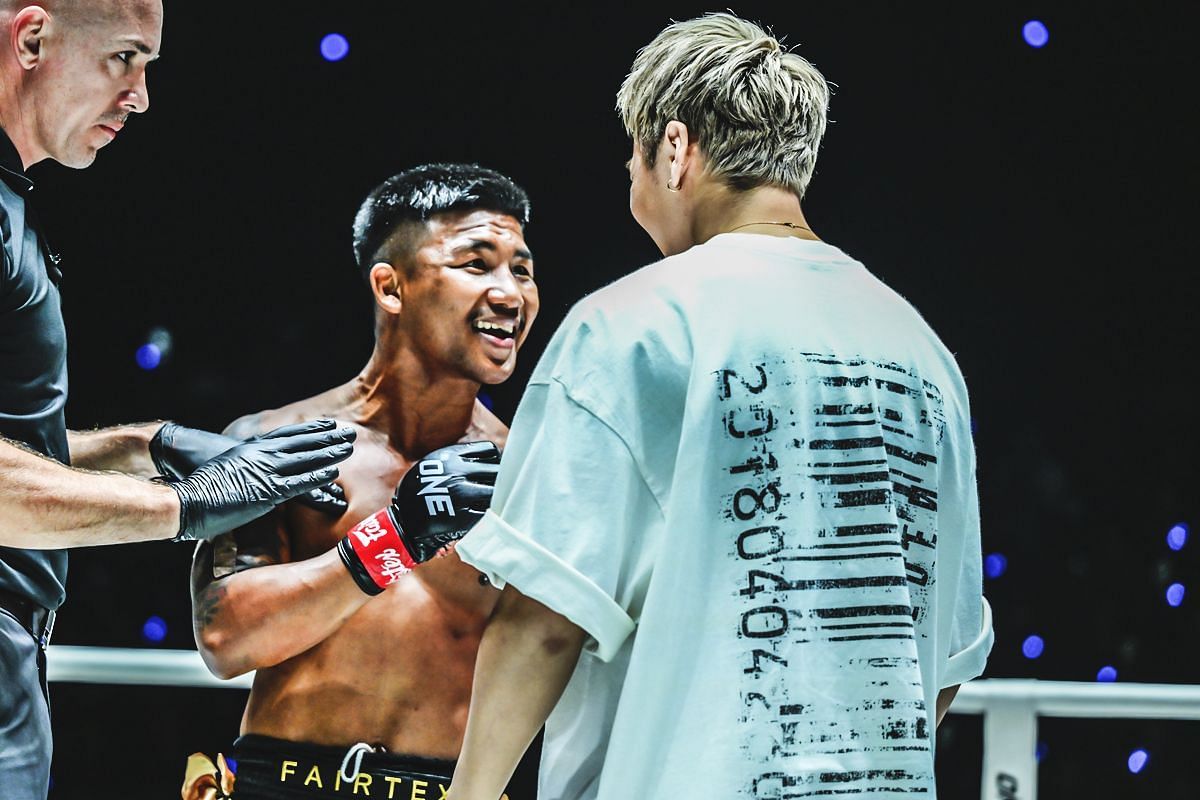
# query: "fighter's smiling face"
{"points": [[469, 297]]}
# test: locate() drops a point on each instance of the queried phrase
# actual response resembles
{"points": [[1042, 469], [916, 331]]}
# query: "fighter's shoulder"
{"points": [[485, 426], [321, 405]]}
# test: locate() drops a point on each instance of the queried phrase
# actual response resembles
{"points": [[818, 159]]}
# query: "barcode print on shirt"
{"points": [[831, 514]]}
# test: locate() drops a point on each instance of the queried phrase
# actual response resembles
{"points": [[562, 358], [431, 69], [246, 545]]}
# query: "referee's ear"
{"points": [[26, 33], [385, 285]]}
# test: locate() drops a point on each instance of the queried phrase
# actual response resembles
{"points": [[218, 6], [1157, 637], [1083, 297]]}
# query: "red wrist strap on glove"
{"points": [[377, 543]]}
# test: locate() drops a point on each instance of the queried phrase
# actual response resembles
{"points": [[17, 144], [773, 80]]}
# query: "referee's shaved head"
{"points": [[53, 6], [72, 72], [76, 12]]}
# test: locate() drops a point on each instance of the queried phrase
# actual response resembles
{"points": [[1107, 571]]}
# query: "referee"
{"points": [[71, 74]]}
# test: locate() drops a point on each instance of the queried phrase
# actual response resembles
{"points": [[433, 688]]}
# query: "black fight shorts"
{"points": [[276, 769]]}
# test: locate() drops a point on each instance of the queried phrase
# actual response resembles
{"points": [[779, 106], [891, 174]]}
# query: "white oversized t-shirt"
{"points": [[747, 472]]}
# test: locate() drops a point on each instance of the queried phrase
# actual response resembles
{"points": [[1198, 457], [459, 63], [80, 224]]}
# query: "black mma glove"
{"points": [[178, 450], [252, 477], [439, 499]]}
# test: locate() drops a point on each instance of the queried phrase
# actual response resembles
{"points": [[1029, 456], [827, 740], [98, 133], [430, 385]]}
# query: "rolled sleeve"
{"points": [[507, 556], [969, 662], [573, 524]]}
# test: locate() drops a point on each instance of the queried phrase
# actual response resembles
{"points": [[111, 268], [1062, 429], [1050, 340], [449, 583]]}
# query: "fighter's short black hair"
{"points": [[417, 194]]}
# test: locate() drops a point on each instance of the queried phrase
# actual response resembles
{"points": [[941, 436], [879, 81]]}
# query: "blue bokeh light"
{"points": [[334, 47], [1178, 535], [154, 629], [1137, 760], [1033, 646], [1035, 33], [1175, 594], [1107, 674], [148, 356], [1040, 751], [995, 565]]}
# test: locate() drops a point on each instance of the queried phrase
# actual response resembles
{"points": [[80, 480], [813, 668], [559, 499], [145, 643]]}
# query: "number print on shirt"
{"points": [[831, 513]]}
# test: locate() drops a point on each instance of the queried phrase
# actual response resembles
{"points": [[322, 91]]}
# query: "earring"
{"points": [[671, 188]]}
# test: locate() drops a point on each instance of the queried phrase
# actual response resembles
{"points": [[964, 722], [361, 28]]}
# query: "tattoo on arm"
{"points": [[215, 563], [258, 544], [205, 605]]}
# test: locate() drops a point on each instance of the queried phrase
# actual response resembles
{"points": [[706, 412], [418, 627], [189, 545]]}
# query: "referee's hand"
{"points": [[251, 478]]}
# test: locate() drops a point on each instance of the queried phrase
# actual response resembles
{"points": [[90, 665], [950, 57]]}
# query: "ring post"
{"points": [[1009, 744]]}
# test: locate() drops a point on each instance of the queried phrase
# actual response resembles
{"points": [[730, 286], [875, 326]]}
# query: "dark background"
{"points": [[1036, 205]]}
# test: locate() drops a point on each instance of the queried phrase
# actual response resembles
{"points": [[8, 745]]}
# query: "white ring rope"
{"points": [[1010, 708], [119, 665], [68, 664]]}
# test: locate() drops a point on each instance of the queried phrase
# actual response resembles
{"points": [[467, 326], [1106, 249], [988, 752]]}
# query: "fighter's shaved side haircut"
{"points": [[757, 111], [387, 218]]}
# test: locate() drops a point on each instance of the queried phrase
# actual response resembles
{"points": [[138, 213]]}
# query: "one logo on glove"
{"points": [[437, 497]]}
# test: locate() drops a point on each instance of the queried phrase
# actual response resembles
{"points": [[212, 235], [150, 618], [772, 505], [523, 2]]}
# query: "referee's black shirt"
{"points": [[33, 368]]}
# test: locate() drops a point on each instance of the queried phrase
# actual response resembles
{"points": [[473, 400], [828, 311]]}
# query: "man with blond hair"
{"points": [[742, 476]]}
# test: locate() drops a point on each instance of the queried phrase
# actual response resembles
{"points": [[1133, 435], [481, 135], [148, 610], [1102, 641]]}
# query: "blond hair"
{"points": [[757, 111]]}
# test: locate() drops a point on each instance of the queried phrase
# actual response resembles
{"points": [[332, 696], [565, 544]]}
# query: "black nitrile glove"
{"points": [[178, 450], [251, 478]]}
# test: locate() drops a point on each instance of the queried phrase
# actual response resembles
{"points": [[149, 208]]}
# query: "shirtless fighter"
{"points": [[358, 694]]}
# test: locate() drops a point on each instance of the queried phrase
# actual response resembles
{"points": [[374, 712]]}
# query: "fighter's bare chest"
{"points": [[443, 594], [368, 479]]}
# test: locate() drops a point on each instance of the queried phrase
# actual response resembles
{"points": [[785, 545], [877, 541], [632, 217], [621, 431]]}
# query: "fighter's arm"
{"points": [[272, 608], [46, 505], [525, 660], [252, 607]]}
